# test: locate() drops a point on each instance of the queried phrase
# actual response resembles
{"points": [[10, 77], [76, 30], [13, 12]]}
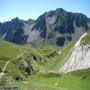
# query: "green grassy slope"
{"points": [[63, 57], [79, 80], [8, 50], [53, 64], [86, 39], [66, 82]]}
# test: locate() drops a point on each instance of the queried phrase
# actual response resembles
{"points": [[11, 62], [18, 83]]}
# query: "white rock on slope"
{"points": [[79, 59]]}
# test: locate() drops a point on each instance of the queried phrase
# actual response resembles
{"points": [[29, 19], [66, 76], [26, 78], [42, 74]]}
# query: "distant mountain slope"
{"points": [[60, 26], [57, 27], [14, 31]]}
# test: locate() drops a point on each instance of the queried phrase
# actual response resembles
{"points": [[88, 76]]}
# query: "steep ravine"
{"points": [[79, 59]]}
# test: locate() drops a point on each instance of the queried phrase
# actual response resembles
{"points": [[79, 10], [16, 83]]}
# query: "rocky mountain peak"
{"points": [[56, 26]]}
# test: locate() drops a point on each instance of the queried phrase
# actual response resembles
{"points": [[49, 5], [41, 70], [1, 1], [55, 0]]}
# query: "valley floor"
{"points": [[66, 82], [50, 79]]}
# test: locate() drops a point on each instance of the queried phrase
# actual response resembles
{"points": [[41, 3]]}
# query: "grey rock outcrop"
{"points": [[79, 59]]}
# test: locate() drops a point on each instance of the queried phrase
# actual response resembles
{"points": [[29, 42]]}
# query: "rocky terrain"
{"points": [[57, 27], [79, 59], [50, 53]]}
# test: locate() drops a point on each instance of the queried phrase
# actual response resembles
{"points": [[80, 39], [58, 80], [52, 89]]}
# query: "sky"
{"points": [[25, 9]]}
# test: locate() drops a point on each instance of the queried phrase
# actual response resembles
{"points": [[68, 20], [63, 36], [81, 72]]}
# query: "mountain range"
{"points": [[57, 27], [60, 59]]}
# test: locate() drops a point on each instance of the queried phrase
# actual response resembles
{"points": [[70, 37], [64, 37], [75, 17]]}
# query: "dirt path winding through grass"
{"points": [[5, 66]]}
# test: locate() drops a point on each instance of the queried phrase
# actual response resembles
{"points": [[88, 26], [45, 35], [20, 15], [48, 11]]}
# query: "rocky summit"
{"points": [[57, 27]]}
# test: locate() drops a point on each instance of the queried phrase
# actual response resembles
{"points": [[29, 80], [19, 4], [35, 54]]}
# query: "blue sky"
{"points": [[25, 9]]}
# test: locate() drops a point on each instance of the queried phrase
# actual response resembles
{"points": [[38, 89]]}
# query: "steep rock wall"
{"points": [[79, 59]]}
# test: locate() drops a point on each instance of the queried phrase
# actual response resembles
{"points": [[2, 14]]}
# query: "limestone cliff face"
{"points": [[79, 59]]}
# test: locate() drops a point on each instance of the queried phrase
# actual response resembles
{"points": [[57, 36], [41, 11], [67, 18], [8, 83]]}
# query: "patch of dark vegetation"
{"points": [[84, 77], [34, 57], [60, 41], [83, 74], [3, 81], [0, 70], [29, 69], [69, 38], [5, 58], [51, 55], [18, 78], [50, 74]]}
